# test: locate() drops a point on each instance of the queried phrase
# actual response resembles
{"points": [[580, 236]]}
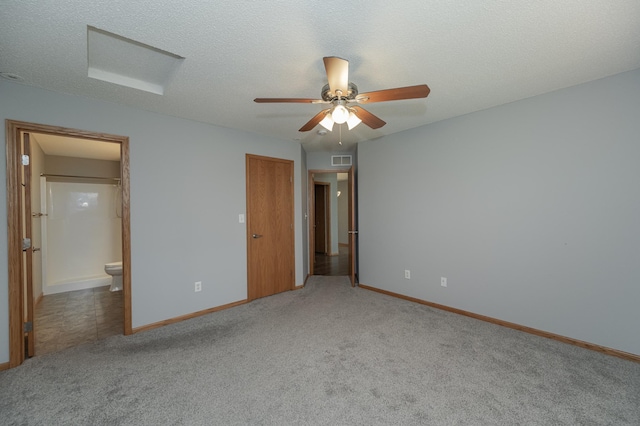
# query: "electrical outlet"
{"points": [[443, 281], [198, 286], [407, 274]]}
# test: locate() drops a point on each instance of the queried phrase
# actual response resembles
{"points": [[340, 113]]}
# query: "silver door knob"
{"points": [[256, 235]]}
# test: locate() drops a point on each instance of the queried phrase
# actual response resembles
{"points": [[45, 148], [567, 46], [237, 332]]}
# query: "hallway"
{"points": [[332, 265]]}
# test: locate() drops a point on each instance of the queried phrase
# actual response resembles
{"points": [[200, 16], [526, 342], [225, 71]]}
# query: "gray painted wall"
{"points": [[531, 210], [322, 160], [187, 189]]}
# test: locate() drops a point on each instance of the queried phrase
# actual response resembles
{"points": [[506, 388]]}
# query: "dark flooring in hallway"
{"points": [[332, 265]]}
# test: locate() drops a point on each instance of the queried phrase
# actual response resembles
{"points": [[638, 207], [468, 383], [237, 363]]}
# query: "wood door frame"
{"points": [[13, 133], [312, 207], [327, 215], [26, 210], [352, 228]]}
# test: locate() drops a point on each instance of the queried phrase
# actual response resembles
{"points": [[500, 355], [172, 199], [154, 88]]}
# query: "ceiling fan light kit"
{"points": [[340, 113], [337, 115], [340, 93], [353, 120], [327, 121]]}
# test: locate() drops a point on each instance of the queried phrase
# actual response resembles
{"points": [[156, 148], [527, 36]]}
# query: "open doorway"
{"points": [[24, 256], [332, 223], [322, 220]]}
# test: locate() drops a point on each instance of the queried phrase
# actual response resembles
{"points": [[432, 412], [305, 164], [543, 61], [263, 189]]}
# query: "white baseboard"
{"points": [[83, 284]]}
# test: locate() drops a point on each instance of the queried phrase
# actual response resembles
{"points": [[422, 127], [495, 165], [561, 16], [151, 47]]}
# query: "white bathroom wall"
{"points": [[83, 233]]}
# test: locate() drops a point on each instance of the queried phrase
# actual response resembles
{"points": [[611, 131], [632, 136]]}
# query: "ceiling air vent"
{"points": [[341, 160]]}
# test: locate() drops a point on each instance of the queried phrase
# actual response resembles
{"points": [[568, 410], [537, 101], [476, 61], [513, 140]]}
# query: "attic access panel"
{"points": [[119, 60]]}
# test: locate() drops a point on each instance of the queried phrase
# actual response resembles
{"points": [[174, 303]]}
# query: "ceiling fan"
{"points": [[342, 94]]}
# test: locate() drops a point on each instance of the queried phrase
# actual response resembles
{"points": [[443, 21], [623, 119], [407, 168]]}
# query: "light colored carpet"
{"points": [[328, 354]]}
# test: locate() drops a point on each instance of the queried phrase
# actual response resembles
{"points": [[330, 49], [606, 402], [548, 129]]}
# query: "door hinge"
{"points": [[28, 327], [25, 160]]}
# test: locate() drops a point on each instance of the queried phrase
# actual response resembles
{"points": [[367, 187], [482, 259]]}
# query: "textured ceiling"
{"points": [[473, 54]]}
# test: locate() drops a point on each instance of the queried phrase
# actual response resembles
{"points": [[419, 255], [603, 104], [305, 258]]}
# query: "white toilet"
{"points": [[115, 270]]}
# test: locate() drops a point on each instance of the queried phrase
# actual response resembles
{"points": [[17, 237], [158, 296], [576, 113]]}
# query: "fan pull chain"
{"points": [[340, 131]]}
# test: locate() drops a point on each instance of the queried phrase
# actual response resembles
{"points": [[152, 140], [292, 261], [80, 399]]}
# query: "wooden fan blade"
{"points": [[410, 92], [288, 100], [314, 121], [337, 74], [367, 118]]}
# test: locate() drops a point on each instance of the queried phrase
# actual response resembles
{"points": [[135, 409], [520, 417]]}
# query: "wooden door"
{"points": [[270, 236], [28, 251], [353, 229], [320, 217]]}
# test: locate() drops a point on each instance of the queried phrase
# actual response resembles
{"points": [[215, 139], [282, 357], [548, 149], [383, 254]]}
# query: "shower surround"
{"points": [[81, 233]]}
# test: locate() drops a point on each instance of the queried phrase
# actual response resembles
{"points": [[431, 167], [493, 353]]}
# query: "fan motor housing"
{"points": [[328, 95]]}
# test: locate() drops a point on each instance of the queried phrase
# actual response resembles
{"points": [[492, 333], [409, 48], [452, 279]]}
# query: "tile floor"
{"points": [[64, 320]]}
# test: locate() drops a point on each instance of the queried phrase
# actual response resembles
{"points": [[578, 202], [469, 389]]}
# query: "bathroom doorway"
{"points": [[22, 297]]}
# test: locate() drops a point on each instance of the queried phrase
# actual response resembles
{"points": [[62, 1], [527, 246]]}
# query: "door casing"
{"points": [[27, 283], [352, 220], [14, 130]]}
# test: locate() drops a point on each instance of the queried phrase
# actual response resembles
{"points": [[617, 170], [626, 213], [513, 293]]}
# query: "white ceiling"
{"points": [[473, 54]]}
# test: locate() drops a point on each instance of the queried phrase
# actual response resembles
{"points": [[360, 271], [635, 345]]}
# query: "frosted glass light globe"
{"points": [[340, 114]]}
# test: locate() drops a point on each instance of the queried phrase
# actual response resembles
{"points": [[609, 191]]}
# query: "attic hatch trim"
{"points": [[130, 63]]}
